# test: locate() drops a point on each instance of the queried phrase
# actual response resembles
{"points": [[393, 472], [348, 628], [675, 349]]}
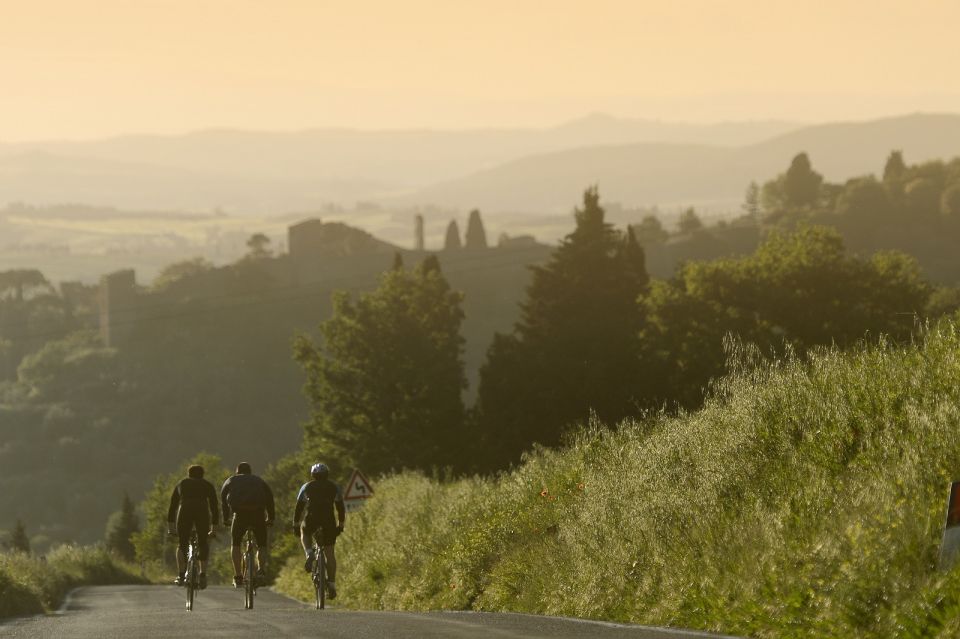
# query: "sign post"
{"points": [[950, 547], [358, 490]]}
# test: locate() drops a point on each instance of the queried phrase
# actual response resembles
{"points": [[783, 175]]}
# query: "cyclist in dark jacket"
{"points": [[250, 502], [318, 498], [193, 505]]}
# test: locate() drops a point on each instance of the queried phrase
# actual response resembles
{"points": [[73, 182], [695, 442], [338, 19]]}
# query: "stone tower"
{"points": [[118, 306], [418, 244]]}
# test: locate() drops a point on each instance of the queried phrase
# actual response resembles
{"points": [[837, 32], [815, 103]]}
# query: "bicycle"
{"points": [[319, 574], [193, 569], [249, 574], [191, 578]]}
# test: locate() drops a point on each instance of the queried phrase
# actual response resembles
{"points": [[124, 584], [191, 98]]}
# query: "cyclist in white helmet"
{"points": [[315, 505]]}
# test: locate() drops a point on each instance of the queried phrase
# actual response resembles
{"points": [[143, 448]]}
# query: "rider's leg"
{"points": [[331, 562], [203, 539], [236, 538], [260, 535], [306, 541], [184, 528], [236, 554], [181, 562]]}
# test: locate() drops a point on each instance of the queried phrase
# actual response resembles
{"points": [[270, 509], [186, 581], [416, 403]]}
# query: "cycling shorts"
{"points": [[187, 520], [310, 525], [244, 520]]}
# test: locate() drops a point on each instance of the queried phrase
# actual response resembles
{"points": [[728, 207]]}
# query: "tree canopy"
{"points": [[385, 383], [575, 345], [799, 288]]}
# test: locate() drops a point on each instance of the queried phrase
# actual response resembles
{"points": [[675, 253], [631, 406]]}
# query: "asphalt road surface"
{"points": [[132, 612]]}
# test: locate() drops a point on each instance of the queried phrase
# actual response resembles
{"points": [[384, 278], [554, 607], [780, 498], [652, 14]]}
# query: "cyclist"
{"points": [[318, 497], [250, 502], [192, 503]]}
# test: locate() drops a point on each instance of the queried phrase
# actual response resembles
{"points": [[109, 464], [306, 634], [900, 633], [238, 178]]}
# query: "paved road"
{"points": [[132, 612]]}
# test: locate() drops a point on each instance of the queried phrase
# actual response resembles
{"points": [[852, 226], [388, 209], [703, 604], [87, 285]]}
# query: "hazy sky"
{"points": [[73, 68]]}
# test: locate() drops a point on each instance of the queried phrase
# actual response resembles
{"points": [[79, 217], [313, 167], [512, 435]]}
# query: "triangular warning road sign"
{"points": [[358, 487]]}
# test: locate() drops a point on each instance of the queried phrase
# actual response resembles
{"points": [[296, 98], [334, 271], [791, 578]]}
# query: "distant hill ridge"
{"points": [[709, 176], [635, 162]]}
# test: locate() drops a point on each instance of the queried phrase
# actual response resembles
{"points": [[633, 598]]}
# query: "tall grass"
{"points": [[805, 499], [31, 585]]}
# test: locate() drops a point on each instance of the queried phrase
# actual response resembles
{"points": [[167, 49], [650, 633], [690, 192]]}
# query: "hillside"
{"points": [[202, 363], [804, 500], [532, 171], [389, 157], [709, 177]]}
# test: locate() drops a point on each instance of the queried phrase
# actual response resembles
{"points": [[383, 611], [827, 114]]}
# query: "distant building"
{"points": [[418, 243], [519, 241], [330, 254], [118, 306]]}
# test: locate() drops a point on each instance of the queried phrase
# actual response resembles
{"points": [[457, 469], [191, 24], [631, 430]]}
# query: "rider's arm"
{"points": [[341, 509], [271, 507], [301, 502], [212, 500], [174, 505], [224, 494]]}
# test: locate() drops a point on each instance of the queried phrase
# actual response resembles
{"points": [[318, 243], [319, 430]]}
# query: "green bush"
{"points": [[805, 499], [31, 585]]}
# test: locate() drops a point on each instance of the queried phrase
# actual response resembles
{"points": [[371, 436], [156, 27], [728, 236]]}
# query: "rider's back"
{"points": [[320, 496], [246, 492], [196, 494]]}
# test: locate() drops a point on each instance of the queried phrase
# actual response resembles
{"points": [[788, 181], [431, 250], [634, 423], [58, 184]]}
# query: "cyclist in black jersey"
{"points": [[250, 502], [315, 504], [193, 504]]}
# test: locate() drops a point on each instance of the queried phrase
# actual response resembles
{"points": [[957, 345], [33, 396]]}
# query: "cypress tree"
{"points": [[575, 349], [121, 527], [476, 236], [801, 184], [895, 167], [19, 542], [452, 241]]}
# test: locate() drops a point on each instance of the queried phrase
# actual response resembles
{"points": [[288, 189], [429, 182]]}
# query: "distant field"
{"points": [[84, 247]]}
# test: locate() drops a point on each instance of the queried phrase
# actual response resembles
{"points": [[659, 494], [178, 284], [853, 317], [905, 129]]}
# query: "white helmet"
{"points": [[319, 469]]}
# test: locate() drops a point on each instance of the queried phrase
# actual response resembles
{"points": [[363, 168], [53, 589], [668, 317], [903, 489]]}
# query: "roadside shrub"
{"points": [[31, 585], [805, 499]]}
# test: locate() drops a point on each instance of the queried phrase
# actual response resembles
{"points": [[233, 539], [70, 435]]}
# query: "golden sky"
{"points": [[86, 68]]}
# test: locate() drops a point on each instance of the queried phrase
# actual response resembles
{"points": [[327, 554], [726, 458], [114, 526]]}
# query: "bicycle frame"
{"points": [[193, 569], [249, 573], [319, 574]]}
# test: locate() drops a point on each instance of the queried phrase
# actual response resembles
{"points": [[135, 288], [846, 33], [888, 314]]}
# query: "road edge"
{"points": [[598, 622], [67, 600]]}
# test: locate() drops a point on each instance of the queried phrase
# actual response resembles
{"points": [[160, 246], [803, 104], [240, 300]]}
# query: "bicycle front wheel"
{"points": [[191, 579]]}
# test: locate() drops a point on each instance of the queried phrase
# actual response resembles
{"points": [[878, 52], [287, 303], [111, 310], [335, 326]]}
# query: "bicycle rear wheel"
{"points": [[248, 581], [191, 578]]}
